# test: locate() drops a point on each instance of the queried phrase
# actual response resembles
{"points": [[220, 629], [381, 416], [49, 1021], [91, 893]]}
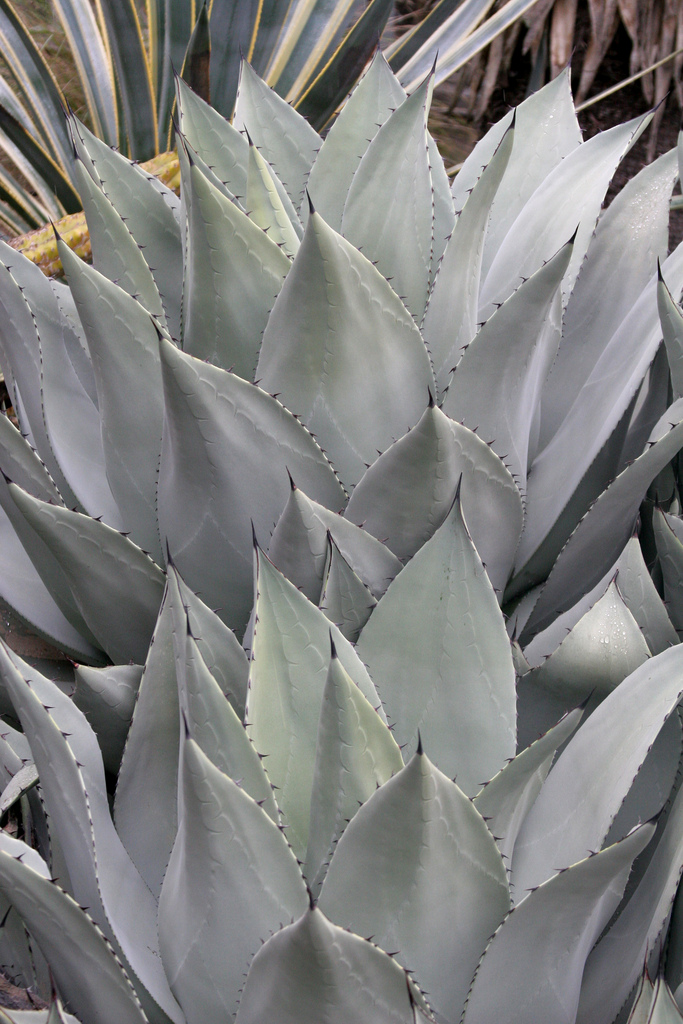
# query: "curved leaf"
{"points": [[106, 696]]}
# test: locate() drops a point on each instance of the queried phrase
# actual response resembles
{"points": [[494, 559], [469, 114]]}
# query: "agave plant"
{"points": [[298, 456], [312, 54]]}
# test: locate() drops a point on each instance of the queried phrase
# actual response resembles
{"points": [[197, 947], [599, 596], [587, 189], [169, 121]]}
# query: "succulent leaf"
{"points": [[407, 493], [437, 649], [418, 870], [669, 537], [643, 600], [672, 329], [590, 780], [223, 148], [345, 599], [231, 882], [388, 213], [543, 944], [342, 352], [234, 274], [355, 754], [226, 450], [106, 696], [116, 587], [289, 666], [264, 206], [312, 967]]}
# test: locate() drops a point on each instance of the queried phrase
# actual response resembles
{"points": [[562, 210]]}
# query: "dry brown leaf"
{"points": [[562, 34]]}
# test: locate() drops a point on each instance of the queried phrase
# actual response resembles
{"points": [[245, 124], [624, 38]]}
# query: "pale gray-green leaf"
{"points": [[223, 148], [116, 586], [541, 947], [355, 753], [226, 450], [418, 870], [584, 791], [672, 329], [438, 651], [670, 553], [264, 206], [231, 882], [345, 599], [314, 970], [234, 273], [504, 802], [406, 494], [106, 696], [290, 659], [642, 599], [343, 354], [24, 780]]}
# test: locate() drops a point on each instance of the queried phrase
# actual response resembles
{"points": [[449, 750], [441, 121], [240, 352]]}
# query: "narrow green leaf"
{"points": [[581, 796], [40, 159], [93, 64], [289, 666], [117, 588], [505, 801], [541, 947], [233, 276], [227, 448], [282, 136], [437, 649], [388, 212], [299, 548], [129, 393], [355, 754], [418, 870], [406, 494], [343, 353], [312, 967], [231, 882]]}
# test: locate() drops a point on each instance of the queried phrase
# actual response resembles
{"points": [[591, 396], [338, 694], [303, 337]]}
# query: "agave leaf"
{"points": [[355, 754], [218, 646], [24, 780], [145, 808], [431, 881], [388, 212], [230, 440], [621, 259], [264, 206], [602, 401], [450, 322], [101, 874], [106, 696], [573, 191], [345, 599], [299, 547], [601, 650], [582, 794], [116, 587], [664, 1009], [670, 553], [642, 599], [214, 726], [84, 966], [129, 392], [497, 384], [372, 101], [223, 148], [149, 209], [115, 252], [289, 666], [547, 131], [408, 491], [504, 802], [614, 965], [342, 352], [546, 962], [313, 967], [672, 328], [282, 136], [437, 648], [642, 1004], [603, 532], [20, 463], [232, 880], [234, 274]]}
